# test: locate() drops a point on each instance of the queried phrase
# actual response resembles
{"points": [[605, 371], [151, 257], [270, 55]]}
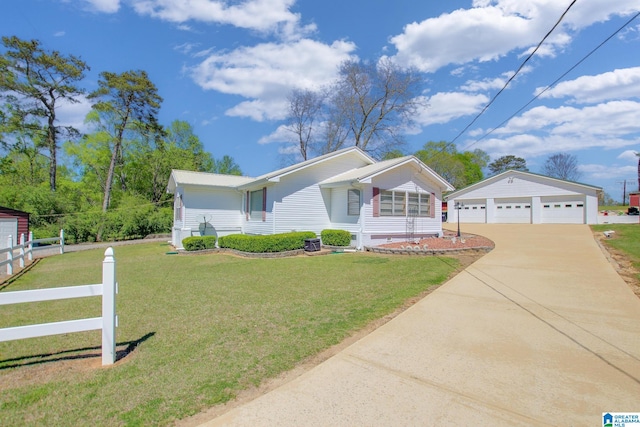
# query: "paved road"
{"points": [[541, 331]]}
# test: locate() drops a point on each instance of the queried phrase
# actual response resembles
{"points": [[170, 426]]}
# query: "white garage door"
{"points": [[514, 211], [473, 212], [562, 211], [8, 227]]}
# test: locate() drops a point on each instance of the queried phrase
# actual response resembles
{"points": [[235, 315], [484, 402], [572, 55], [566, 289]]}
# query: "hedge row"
{"points": [[266, 243], [335, 237], [198, 243]]}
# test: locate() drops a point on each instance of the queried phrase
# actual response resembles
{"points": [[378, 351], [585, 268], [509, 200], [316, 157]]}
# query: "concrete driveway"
{"points": [[541, 331]]}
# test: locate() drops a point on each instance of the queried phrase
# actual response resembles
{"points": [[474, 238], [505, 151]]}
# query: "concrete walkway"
{"points": [[541, 331]]}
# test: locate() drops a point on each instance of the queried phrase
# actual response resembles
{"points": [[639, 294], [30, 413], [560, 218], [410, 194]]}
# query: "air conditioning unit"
{"points": [[311, 245]]}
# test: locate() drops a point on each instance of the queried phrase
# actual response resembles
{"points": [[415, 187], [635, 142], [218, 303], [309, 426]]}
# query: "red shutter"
{"points": [[376, 201], [264, 204], [432, 207], [247, 207]]}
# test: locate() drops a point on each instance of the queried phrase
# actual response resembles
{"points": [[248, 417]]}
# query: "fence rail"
{"points": [[26, 248], [108, 322]]}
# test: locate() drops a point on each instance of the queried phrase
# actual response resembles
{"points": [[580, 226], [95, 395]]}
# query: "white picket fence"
{"points": [[25, 250], [107, 322]]}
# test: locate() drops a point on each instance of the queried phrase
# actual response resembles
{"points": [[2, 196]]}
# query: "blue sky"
{"points": [[226, 67]]}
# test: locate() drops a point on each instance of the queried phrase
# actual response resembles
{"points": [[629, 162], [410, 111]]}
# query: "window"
{"points": [[353, 202], [392, 203], [177, 208], [557, 206], [568, 205], [580, 205], [547, 206], [400, 203], [257, 204], [419, 204]]}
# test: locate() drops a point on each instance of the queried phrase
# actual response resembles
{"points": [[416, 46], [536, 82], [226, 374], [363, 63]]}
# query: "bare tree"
{"points": [[562, 166], [304, 108], [377, 101], [369, 106]]}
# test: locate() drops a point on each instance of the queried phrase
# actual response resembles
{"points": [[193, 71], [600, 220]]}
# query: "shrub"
{"points": [[266, 243], [335, 237], [198, 243]]}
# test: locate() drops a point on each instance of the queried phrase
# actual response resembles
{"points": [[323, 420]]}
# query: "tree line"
{"points": [[108, 183]]}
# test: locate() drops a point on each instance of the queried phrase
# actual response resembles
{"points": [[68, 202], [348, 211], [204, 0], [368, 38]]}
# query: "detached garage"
{"points": [[515, 197], [12, 223]]}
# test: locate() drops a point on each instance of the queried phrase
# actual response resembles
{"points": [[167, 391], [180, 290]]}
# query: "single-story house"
{"points": [[378, 202], [524, 197], [13, 223]]}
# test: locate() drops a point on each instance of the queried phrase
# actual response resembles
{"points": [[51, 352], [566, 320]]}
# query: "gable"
{"points": [[522, 184]]}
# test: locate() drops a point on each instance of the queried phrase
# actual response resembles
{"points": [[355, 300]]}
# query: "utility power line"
{"points": [[486, 107], [556, 81]]}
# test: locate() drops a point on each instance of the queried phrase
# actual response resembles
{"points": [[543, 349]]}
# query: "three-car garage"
{"points": [[516, 197]]}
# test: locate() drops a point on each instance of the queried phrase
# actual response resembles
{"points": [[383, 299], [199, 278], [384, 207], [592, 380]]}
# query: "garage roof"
{"points": [[580, 187]]}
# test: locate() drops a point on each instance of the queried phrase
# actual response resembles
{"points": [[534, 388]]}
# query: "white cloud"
{"points": [[616, 84], [544, 130], [261, 15], [598, 172], [281, 134], [615, 118], [629, 155], [494, 28], [446, 106], [104, 6], [494, 83], [68, 114], [59, 34], [267, 72]]}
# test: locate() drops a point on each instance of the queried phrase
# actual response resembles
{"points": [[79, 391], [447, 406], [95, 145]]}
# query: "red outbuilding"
{"points": [[13, 223]]}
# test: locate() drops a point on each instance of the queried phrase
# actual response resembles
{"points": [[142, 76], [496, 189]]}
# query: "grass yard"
{"points": [[196, 329], [625, 239]]}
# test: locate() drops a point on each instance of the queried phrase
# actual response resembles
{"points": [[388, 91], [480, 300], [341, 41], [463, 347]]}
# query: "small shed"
{"points": [[12, 223], [634, 198]]}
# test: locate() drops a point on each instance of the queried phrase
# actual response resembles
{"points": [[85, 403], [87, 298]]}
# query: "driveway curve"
{"points": [[540, 331]]}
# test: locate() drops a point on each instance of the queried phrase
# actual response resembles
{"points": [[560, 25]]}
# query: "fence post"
{"points": [[10, 256], [21, 250], [30, 249], [61, 241], [109, 290]]}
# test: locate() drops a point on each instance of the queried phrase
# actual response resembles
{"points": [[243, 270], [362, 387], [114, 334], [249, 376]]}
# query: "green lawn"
{"points": [[203, 328], [626, 239]]}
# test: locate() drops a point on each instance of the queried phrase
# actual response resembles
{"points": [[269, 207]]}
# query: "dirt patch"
{"points": [[620, 262]]}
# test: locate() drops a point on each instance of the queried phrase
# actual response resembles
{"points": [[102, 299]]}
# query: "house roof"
{"points": [[181, 177], [276, 175], [495, 178], [361, 175], [366, 173]]}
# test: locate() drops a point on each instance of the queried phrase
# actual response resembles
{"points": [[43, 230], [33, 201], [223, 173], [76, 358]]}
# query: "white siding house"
{"points": [[345, 190], [525, 198]]}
